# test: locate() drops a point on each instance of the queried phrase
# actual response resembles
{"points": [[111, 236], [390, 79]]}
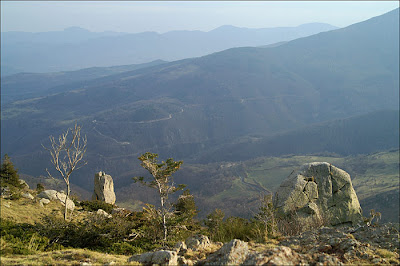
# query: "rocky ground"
{"points": [[376, 244]]}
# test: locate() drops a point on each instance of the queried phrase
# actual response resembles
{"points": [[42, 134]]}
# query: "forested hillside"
{"points": [[333, 92]]}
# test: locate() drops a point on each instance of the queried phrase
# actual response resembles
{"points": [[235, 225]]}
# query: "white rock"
{"points": [[61, 197], [54, 195], [23, 182], [319, 188], [28, 195], [162, 257], [104, 188], [103, 213], [48, 194], [197, 242]]}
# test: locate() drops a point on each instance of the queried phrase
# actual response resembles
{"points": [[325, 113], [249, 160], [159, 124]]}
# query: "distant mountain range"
{"points": [[76, 48], [31, 85], [322, 93]]}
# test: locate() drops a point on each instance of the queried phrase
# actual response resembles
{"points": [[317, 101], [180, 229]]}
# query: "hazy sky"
{"points": [[139, 16]]}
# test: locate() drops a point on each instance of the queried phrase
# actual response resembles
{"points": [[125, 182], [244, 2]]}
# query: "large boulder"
{"points": [[278, 256], [232, 253], [49, 194], [103, 188], [319, 189]]}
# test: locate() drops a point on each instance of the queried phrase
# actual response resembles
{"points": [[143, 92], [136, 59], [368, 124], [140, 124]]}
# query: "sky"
{"points": [[163, 16]]}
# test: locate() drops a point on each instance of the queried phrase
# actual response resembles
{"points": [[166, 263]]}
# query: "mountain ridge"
{"points": [[85, 48]]}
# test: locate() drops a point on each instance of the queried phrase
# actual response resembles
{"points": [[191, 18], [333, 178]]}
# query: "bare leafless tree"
{"points": [[67, 155]]}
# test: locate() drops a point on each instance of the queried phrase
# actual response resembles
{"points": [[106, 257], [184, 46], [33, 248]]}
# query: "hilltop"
{"points": [[377, 243]]}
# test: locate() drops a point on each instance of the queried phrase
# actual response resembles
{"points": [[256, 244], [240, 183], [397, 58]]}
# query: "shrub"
{"points": [[20, 238], [232, 228], [39, 187], [214, 222], [124, 248], [266, 217], [94, 205], [16, 195]]}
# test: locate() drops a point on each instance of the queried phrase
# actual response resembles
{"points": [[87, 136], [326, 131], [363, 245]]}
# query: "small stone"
{"points": [[376, 260], [103, 213], [23, 182], [44, 201], [181, 248], [28, 195]]}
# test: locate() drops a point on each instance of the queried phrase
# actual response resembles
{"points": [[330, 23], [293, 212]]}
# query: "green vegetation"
{"points": [[66, 257], [8, 174], [94, 205], [162, 182]]}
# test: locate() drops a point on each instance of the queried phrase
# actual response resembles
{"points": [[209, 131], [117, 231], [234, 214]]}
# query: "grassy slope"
{"points": [[67, 257], [29, 211]]}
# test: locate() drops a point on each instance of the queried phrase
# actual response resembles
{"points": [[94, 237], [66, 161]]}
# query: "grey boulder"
{"points": [[104, 188], [318, 189]]}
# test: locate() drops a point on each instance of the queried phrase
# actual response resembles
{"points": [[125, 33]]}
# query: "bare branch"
{"points": [[67, 155]]}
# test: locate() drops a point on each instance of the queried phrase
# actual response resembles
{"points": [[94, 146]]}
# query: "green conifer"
{"points": [[8, 174]]}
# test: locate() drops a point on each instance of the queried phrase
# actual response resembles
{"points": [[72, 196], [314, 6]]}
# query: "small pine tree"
{"points": [[185, 209], [162, 182], [266, 215], [8, 174], [214, 222]]}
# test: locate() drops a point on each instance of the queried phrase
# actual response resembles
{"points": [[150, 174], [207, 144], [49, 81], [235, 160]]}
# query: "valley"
{"points": [[306, 96], [214, 145]]}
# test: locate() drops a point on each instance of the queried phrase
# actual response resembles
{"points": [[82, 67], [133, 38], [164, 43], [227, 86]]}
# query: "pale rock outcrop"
{"points": [[23, 182], [180, 247], [60, 196], [104, 188], [232, 253], [197, 242], [102, 212], [161, 257], [27, 195], [43, 202], [317, 189], [48, 194], [5, 192], [280, 255]]}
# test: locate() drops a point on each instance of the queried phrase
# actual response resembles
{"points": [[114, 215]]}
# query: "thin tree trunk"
{"points": [[165, 227], [66, 201]]}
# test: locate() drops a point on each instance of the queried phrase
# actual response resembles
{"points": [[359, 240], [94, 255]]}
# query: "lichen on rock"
{"points": [[319, 189]]}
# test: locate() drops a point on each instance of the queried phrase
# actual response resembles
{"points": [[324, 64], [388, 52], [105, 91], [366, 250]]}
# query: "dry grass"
{"points": [[67, 257], [384, 253], [202, 253], [29, 211], [258, 247]]}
